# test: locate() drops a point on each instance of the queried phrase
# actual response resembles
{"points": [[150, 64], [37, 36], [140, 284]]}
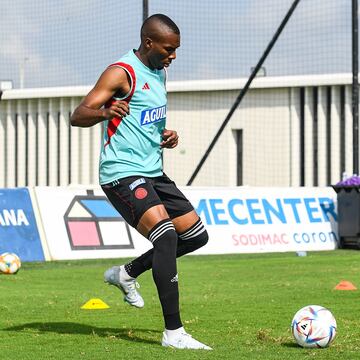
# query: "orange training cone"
{"points": [[345, 285]]}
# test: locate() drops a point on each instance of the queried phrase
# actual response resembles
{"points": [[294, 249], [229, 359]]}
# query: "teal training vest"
{"points": [[131, 145]]}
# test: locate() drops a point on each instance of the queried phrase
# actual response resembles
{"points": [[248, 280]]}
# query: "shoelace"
{"points": [[132, 288]]}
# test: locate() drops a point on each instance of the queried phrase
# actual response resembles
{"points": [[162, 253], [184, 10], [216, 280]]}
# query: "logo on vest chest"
{"points": [[151, 116]]}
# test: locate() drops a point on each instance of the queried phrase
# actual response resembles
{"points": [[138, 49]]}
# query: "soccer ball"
{"points": [[314, 326], [9, 263]]}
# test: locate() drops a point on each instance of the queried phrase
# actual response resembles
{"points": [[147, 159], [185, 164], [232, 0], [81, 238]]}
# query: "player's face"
{"points": [[163, 50]]}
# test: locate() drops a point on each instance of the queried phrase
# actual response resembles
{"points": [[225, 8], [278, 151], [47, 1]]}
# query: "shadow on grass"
{"points": [[290, 345], [138, 335]]}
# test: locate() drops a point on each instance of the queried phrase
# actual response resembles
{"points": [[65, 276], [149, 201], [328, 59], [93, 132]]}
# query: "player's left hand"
{"points": [[170, 139]]}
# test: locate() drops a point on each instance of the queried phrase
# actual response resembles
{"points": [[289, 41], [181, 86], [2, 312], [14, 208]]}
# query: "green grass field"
{"points": [[241, 305]]}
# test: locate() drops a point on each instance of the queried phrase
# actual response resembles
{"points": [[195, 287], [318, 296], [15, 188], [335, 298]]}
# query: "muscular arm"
{"points": [[90, 111]]}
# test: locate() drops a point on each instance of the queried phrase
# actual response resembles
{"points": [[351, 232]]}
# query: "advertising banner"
{"points": [[80, 223], [252, 220], [18, 228]]}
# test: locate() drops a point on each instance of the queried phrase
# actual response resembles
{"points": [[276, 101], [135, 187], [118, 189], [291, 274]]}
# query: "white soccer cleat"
{"points": [[183, 341], [118, 277]]}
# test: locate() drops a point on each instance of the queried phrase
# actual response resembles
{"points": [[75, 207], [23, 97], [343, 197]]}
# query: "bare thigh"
{"points": [[184, 222], [150, 218]]}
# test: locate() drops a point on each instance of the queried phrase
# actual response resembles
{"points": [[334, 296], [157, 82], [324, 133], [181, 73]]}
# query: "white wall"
{"points": [[38, 147]]}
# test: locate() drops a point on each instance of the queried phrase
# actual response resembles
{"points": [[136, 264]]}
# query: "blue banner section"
{"points": [[100, 208], [18, 228]]}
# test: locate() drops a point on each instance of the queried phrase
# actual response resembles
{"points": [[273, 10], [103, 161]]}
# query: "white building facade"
{"points": [[287, 131]]}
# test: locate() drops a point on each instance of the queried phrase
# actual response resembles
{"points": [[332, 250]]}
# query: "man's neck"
{"points": [[141, 56]]}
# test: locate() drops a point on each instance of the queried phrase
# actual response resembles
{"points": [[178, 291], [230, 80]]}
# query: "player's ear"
{"points": [[148, 43]]}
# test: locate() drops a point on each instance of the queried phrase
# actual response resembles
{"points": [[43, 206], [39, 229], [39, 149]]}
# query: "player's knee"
{"points": [[196, 236], [199, 241], [202, 239], [166, 244], [163, 237]]}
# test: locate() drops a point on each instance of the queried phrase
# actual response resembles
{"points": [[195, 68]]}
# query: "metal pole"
{"points": [[355, 85], [244, 90], [145, 9]]}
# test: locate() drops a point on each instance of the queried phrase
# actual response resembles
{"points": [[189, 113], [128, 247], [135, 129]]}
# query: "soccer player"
{"points": [[130, 97]]}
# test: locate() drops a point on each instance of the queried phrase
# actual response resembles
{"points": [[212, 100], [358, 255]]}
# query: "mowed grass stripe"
{"points": [[241, 305]]}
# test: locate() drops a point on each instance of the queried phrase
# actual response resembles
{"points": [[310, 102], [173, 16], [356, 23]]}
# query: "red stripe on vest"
{"points": [[114, 123]]}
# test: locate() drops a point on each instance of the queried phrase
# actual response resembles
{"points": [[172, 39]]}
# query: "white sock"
{"points": [[124, 275], [174, 333]]}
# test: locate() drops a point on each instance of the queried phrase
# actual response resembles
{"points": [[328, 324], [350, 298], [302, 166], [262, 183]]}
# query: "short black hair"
{"points": [[164, 20]]}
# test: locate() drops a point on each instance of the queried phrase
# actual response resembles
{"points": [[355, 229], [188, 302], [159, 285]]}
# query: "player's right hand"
{"points": [[118, 108]]}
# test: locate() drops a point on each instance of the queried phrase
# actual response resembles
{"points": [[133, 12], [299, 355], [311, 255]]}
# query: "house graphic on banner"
{"points": [[92, 223]]}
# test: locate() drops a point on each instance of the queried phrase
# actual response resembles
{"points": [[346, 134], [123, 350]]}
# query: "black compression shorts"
{"points": [[134, 195]]}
